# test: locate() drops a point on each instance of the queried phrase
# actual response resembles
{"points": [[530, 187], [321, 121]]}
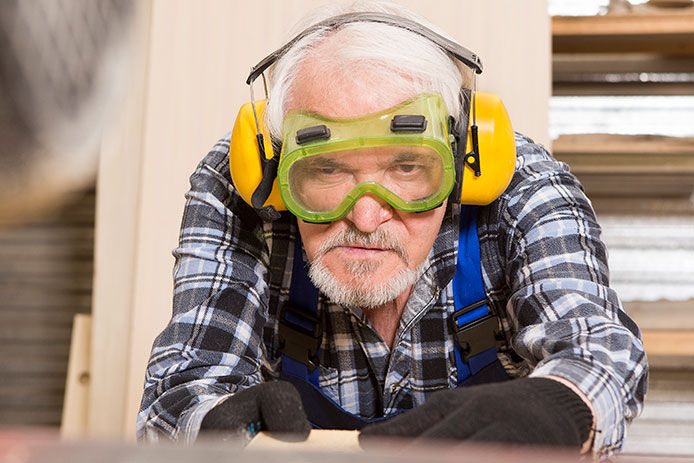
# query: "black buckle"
{"points": [[298, 342], [477, 336]]}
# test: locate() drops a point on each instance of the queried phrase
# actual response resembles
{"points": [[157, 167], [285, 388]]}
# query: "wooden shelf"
{"points": [[636, 172], [626, 154], [669, 342], [664, 33]]}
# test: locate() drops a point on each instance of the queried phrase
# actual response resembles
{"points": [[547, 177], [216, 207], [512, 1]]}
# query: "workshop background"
{"points": [[107, 107]]}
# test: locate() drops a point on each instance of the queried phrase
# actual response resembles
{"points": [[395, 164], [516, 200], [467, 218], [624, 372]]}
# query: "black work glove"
{"points": [[536, 411], [273, 407]]}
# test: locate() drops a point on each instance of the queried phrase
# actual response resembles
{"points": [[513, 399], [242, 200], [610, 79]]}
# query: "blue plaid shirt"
{"points": [[544, 270]]}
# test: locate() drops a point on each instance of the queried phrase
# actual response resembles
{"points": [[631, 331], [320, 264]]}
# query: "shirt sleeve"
{"points": [[568, 322], [212, 345]]}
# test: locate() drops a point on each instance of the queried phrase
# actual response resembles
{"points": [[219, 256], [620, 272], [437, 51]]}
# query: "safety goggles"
{"points": [[402, 154]]}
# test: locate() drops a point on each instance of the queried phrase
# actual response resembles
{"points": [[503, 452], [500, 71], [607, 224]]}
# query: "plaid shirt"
{"points": [[544, 269]]}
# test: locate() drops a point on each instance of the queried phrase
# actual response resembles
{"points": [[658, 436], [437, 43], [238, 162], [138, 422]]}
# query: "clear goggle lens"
{"points": [[401, 174]]}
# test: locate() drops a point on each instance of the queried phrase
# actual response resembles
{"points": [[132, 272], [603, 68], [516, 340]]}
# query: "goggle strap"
{"points": [[460, 135], [262, 191], [473, 157], [269, 167]]}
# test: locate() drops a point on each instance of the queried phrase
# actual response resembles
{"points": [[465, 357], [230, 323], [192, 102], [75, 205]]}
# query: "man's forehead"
{"points": [[346, 102], [339, 91]]}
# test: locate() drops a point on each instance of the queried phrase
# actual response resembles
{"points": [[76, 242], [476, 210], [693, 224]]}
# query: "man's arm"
{"points": [[568, 322], [213, 344], [546, 273]]}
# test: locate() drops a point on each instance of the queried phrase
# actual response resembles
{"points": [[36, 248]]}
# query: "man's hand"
{"points": [[536, 411], [272, 407]]}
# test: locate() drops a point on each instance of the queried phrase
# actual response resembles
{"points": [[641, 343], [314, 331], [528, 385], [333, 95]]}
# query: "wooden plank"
{"points": [[678, 149], [634, 185], [57, 283], [669, 342], [34, 267], [31, 384], [75, 418], [48, 416], [664, 33], [612, 25], [52, 367], [630, 165], [318, 440], [115, 248], [680, 206], [668, 384], [24, 297], [673, 44], [23, 400], [46, 317], [569, 65], [662, 315], [564, 88], [30, 335]]}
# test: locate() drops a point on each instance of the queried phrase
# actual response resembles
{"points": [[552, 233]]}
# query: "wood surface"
{"points": [[631, 173], [75, 417], [672, 342], [319, 440], [666, 33]]}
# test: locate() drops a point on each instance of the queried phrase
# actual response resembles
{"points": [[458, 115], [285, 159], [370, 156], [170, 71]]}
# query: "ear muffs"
{"points": [[244, 158], [496, 150]]}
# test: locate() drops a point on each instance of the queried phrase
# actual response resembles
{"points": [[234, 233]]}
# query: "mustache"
{"points": [[354, 237]]}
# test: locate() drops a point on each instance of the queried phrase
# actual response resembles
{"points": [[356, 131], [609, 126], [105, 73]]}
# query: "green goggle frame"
{"points": [[422, 123]]}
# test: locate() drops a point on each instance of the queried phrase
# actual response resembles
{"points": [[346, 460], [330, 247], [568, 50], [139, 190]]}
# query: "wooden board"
{"points": [[669, 342], [670, 33], [319, 440], [642, 166], [75, 406]]}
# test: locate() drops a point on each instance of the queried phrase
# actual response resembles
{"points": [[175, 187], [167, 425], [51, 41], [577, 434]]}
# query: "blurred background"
{"points": [[106, 107]]}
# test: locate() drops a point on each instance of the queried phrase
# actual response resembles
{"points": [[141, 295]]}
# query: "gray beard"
{"points": [[360, 292]]}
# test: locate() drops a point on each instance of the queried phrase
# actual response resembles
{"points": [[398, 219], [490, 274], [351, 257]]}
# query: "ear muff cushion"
{"points": [[497, 152], [244, 157]]}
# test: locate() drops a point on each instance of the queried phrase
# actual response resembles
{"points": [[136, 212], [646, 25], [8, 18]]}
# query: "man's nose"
{"points": [[369, 212]]}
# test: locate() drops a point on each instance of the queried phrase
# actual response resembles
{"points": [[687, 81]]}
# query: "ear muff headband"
{"points": [[461, 53], [254, 168]]}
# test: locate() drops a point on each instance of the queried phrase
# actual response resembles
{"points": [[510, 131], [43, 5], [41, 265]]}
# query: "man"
{"points": [[398, 263]]}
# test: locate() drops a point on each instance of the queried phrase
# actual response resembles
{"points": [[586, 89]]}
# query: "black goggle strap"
{"points": [[458, 141], [472, 158], [269, 168]]}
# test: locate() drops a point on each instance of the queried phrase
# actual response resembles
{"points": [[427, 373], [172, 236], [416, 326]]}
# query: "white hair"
{"points": [[405, 60]]}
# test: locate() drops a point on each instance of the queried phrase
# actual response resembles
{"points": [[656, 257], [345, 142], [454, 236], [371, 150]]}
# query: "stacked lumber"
{"points": [[45, 279]]}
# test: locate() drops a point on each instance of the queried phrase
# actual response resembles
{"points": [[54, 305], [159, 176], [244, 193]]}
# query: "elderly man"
{"points": [[378, 294]]}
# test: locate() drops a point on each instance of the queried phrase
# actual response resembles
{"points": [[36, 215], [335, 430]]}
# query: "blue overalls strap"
{"points": [[473, 322], [300, 330]]}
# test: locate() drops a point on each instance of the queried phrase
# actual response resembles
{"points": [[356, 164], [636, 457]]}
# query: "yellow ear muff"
{"points": [[497, 152], [244, 157]]}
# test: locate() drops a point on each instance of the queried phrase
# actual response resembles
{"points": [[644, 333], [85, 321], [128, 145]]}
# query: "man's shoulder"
{"points": [[530, 154], [534, 164], [217, 157]]}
